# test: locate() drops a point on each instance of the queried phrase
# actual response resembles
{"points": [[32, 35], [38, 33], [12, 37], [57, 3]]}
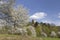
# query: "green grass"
{"points": [[19, 37], [51, 38]]}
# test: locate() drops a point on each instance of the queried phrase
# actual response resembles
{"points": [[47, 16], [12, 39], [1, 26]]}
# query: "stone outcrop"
{"points": [[33, 31], [43, 34], [53, 34]]}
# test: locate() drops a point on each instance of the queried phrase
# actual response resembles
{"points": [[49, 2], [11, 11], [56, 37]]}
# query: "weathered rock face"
{"points": [[53, 34], [43, 34], [58, 34], [32, 29]]}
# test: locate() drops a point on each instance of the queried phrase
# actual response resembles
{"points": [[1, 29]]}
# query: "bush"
{"points": [[38, 31], [29, 32]]}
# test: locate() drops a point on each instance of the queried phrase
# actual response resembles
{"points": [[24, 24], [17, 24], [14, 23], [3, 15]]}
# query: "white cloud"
{"points": [[57, 23], [38, 15], [47, 21]]}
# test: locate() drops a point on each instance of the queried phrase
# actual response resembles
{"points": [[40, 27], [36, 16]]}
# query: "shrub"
{"points": [[29, 32], [38, 31]]}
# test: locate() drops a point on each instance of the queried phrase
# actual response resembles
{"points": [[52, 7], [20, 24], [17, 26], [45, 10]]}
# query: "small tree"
{"points": [[36, 24]]}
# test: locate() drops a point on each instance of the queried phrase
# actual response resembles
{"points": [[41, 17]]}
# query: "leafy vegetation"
{"points": [[38, 31], [29, 32]]}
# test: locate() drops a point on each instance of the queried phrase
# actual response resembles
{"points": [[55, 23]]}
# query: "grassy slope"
{"points": [[18, 37]]}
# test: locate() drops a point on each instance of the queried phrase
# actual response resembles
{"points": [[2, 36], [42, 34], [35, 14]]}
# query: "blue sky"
{"points": [[43, 10]]}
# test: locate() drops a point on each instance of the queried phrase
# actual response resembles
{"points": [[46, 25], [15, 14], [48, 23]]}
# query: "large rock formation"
{"points": [[58, 34], [53, 34], [33, 31], [43, 34]]}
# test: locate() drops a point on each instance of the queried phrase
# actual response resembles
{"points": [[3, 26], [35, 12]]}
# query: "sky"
{"points": [[47, 11]]}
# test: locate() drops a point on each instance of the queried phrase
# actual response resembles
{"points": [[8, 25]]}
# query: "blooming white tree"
{"points": [[12, 16], [20, 16], [6, 9], [15, 16], [5, 5]]}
